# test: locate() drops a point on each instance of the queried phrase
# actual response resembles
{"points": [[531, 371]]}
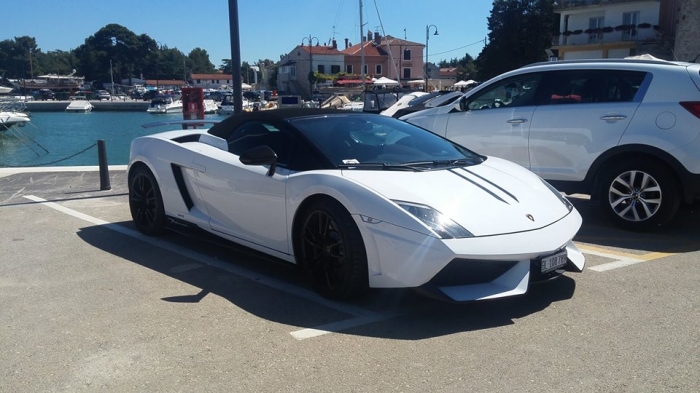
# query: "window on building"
{"points": [[596, 25], [365, 70], [335, 69], [407, 54], [630, 19], [321, 69], [407, 73], [293, 71], [348, 68], [378, 69]]}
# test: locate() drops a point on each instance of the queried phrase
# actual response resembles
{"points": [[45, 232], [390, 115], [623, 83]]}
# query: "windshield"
{"points": [[375, 141]]}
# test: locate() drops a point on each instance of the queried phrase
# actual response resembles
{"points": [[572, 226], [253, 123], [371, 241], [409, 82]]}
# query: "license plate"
{"points": [[553, 262]]}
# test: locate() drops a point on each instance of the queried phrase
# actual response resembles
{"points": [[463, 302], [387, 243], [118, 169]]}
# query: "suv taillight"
{"points": [[692, 107]]}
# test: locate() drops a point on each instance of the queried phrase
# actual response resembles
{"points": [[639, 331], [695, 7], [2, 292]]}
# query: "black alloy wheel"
{"points": [[146, 202], [332, 251]]}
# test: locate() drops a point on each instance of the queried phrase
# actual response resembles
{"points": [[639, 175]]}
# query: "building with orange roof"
{"points": [[388, 56]]}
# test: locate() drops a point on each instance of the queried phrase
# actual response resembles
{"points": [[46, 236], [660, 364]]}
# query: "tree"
{"points": [[17, 57], [115, 49], [226, 67], [520, 31], [199, 62], [466, 69]]}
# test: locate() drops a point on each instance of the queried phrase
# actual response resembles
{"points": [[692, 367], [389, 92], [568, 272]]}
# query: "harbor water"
{"points": [[70, 139]]}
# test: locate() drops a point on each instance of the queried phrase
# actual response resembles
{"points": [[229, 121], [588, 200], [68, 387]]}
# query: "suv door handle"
{"points": [[516, 121], [613, 117]]}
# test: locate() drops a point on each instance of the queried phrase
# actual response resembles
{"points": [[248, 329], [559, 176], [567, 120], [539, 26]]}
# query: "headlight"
{"points": [[442, 225], [561, 197]]}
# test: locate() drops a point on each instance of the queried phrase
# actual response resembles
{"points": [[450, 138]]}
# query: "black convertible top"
{"points": [[223, 129]]}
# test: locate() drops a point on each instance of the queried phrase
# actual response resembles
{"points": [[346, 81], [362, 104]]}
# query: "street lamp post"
{"points": [[311, 65], [427, 37]]}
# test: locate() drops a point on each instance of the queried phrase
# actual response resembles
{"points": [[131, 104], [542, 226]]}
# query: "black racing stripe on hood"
{"points": [[491, 183], [478, 185]]}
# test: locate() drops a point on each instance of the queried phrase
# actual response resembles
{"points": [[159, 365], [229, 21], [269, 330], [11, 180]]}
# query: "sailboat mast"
{"points": [[362, 48]]}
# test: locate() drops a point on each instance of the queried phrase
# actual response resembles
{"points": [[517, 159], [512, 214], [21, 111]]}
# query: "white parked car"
{"points": [[358, 201], [627, 132], [103, 95]]}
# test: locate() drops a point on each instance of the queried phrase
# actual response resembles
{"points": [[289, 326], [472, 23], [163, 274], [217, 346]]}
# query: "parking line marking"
{"points": [[360, 316], [622, 259], [339, 326]]}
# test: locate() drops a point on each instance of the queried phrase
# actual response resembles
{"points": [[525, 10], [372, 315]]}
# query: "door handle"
{"points": [[613, 117], [516, 121]]}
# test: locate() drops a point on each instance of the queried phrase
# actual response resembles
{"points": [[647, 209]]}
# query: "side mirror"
{"points": [[260, 155], [463, 104]]}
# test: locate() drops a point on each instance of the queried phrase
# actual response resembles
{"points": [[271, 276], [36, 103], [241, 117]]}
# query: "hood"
{"points": [[491, 198]]}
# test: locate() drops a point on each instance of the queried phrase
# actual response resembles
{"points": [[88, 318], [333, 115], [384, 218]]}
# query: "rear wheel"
{"points": [[640, 195], [146, 202], [332, 252]]}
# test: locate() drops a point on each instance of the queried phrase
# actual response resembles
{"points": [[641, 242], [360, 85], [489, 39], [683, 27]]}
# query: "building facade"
{"points": [[686, 19], [597, 29], [212, 81], [388, 57]]}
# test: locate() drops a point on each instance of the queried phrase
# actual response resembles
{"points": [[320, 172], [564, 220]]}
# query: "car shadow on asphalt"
{"points": [[408, 315], [682, 234]]}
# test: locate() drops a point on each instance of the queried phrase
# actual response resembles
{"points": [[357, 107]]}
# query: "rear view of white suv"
{"points": [[627, 132]]}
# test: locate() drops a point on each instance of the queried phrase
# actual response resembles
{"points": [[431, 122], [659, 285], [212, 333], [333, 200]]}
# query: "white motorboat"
{"points": [[226, 107], [210, 107], [79, 104], [5, 89], [12, 119], [355, 106], [165, 104]]}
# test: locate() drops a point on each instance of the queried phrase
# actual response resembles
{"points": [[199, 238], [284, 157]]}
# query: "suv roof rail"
{"points": [[588, 61]]}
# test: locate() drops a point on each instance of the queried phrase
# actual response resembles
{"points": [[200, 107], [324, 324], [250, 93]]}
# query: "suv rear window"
{"points": [[590, 86]]}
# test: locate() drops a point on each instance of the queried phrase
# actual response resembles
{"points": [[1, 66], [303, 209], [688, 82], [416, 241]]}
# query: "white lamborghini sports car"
{"points": [[359, 201]]}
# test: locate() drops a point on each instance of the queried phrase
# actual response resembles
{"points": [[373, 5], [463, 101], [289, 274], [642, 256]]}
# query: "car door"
{"points": [[243, 201], [495, 121], [586, 113]]}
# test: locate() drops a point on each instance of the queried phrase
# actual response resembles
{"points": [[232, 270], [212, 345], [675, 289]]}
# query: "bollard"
{"points": [[104, 170]]}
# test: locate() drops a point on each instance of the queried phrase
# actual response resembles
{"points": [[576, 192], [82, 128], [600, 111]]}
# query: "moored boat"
{"points": [[80, 104], [11, 119], [164, 104], [210, 107]]}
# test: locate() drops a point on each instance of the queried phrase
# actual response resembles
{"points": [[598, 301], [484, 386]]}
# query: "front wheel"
{"points": [[640, 196], [146, 202], [332, 252]]}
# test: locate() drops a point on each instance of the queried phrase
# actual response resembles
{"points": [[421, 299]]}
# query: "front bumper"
{"points": [[468, 269], [470, 280]]}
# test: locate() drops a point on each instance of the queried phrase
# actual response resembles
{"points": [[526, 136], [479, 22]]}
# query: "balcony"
{"points": [[568, 4], [621, 34]]}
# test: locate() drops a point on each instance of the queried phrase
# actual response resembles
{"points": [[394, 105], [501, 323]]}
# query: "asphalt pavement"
{"points": [[87, 303]]}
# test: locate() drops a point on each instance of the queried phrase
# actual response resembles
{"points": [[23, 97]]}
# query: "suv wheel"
{"points": [[639, 195]]}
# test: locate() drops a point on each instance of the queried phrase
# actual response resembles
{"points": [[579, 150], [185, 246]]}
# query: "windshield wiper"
{"points": [[386, 166], [436, 163]]}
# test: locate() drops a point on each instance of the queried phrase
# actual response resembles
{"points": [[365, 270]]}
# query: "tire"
{"points": [[146, 202], [639, 195], [331, 251]]}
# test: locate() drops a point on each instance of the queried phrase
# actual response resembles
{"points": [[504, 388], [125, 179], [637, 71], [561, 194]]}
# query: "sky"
{"points": [[268, 28]]}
